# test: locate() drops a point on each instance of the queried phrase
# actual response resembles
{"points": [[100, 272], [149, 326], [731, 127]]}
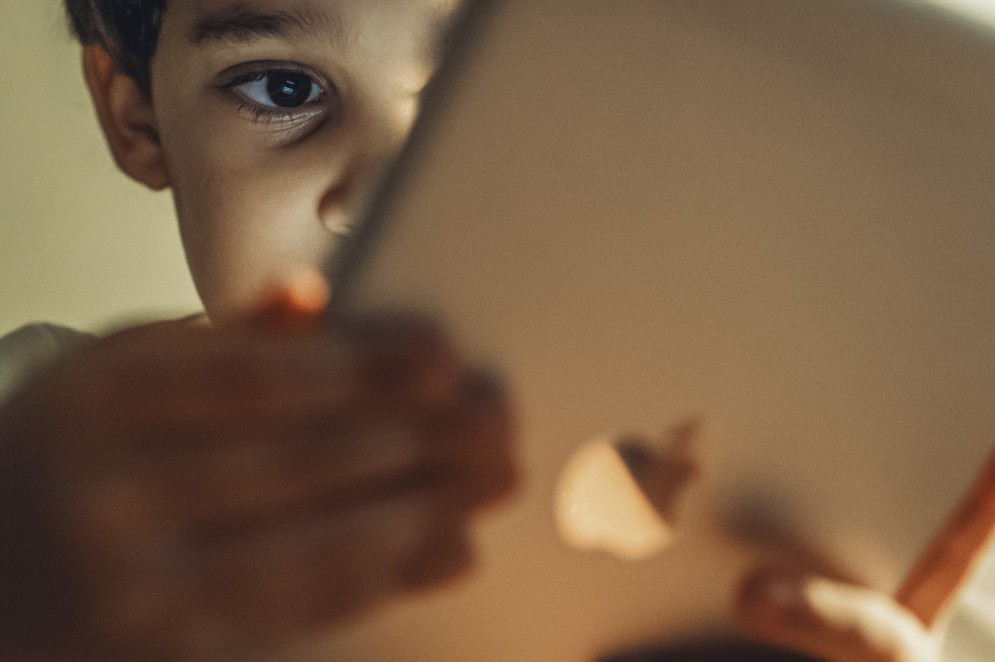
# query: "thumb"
{"points": [[830, 620], [294, 305]]}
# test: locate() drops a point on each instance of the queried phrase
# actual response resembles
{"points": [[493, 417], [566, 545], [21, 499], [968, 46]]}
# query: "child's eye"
{"points": [[276, 89], [282, 94]]}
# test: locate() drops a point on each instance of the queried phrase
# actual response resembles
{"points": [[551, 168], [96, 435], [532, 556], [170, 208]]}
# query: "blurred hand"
{"points": [[176, 491], [832, 621]]}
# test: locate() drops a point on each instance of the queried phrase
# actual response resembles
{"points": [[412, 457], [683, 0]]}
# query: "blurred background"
{"points": [[80, 244]]}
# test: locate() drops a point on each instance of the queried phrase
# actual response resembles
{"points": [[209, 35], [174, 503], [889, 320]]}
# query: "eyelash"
{"points": [[258, 114]]}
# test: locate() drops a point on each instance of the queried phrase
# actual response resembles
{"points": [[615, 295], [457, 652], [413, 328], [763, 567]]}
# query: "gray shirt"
{"points": [[30, 347]]}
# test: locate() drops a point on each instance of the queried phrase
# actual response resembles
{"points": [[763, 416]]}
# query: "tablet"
{"points": [[774, 218]]}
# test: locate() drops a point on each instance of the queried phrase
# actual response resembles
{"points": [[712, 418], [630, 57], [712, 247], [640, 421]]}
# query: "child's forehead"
{"points": [[359, 37], [412, 27], [308, 12]]}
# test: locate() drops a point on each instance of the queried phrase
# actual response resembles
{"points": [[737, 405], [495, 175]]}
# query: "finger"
{"points": [[393, 347], [294, 306], [190, 376], [260, 477], [829, 620], [241, 379], [230, 488], [295, 576], [268, 472], [314, 569], [478, 435]]}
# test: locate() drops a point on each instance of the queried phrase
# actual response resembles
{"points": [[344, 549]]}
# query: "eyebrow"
{"points": [[240, 24]]}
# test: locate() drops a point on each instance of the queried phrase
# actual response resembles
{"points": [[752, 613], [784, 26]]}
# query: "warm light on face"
{"points": [[300, 107]]}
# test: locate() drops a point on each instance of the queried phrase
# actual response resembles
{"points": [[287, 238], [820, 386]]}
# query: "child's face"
{"points": [[274, 118]]}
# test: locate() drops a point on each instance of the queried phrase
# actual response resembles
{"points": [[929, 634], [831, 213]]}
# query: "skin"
{"points": [[831, 620], [260, 190], [211, 491], [208, 491]]}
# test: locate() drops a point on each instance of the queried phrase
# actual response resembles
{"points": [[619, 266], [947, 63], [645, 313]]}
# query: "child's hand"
{"points": [[177, 491], [832, 621]]}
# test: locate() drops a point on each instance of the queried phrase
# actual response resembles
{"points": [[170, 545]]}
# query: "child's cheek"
{"points": [[244, 229]]}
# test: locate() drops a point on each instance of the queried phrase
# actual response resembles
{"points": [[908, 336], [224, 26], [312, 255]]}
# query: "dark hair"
{"points": [[127, 29]]}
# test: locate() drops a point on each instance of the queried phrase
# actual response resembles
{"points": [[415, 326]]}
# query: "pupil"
{"points": [[289, 89]]}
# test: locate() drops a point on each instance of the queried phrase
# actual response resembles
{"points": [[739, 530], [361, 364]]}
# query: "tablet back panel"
{"points": [[777, 216]]}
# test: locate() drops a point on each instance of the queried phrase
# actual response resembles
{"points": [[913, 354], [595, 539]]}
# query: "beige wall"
{"points": [[79, 243]]}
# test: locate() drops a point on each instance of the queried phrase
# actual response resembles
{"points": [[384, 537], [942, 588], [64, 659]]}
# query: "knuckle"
{"points": [[246, 381], [399, 336]]}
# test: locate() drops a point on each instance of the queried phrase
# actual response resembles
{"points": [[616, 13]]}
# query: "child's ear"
{"points": [[127, 118]]}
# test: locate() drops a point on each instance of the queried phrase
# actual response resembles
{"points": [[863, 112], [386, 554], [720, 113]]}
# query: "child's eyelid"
{"points": [[260, 115], [303, 120], [259, 69], [247, 78]]}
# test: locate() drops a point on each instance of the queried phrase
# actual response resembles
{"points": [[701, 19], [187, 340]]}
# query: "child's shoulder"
{"points": [[30, 346]]}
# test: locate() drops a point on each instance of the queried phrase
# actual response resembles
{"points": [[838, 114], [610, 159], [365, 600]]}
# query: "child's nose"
{"points": [[360, 155]]}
